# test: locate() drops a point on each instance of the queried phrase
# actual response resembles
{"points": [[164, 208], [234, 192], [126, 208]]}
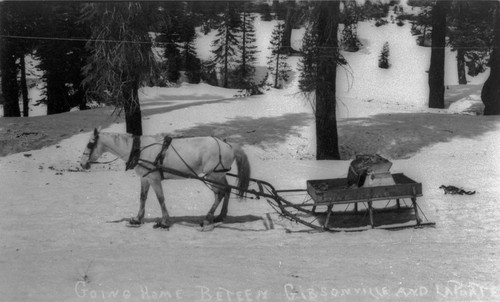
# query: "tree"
{"points": [[122, 58], [10, 88], [318, 74], [422, 22], [277, 61], [309, 62], [436, 70], [60, 59], [326, 120], [14, 20], [245, 70], [383, 61], [490, 94], [470, 29], [351, 16], [226, 41]]}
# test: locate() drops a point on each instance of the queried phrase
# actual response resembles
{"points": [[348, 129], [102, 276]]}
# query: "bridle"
{"points": [[91, 146]]}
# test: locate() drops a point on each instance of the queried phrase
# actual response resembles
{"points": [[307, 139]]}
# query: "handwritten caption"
{"points": [[451, 290]]}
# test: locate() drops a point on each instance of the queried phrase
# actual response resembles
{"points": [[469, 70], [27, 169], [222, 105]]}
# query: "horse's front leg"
{"points": [[164, 223], [142, 203]]}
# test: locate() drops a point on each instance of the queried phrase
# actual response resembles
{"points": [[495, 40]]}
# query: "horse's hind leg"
{"points": [[219, 193], [142, 203], [224, 194]]}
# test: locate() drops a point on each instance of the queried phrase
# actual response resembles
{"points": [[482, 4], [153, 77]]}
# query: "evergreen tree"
{"points": [[277, 61], [245, 70], [325, 114], [351, 16], [178, 38], [190, 62], [470, 32], [226, 42], [17, 19], [383, 61], [318, 73], [122, 58], [62, 59], [422, 22], [309, 62], [490, 94], [8, 57]]}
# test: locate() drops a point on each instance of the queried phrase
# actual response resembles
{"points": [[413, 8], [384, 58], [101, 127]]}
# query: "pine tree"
{"points": [[190, 62], [383, 61], [62, 60], [245, 70], [490, 94], [226, 42], [116, 69], [351, 15], [318, 73], [470, 32], [421, 23], [8, 57], [309, 62], [325, 113], [277, 62]]}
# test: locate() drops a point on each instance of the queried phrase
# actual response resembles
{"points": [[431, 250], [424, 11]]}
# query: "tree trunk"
{"points": [[24, 86], [286, 42], [57, 96], [490, 94], [10, 87], [436, 70], [462, 78], [326, 120], [132, 107], [277, 70]]}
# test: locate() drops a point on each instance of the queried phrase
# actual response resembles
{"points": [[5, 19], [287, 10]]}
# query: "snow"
{"points": [[64, 234]]}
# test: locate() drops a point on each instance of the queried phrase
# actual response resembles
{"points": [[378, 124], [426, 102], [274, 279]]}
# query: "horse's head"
{"points": [[93, 150]]}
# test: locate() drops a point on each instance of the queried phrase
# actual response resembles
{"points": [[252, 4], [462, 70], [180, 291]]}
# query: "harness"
{"points": [[135, 160]]}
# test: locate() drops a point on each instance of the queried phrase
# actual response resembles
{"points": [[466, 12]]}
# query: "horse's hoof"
{"points": [[208, 228], [219, 219], [160, 225], [135, 222]]}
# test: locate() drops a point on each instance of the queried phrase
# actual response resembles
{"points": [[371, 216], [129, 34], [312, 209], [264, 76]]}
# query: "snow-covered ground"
{"points": [[65, 236]]}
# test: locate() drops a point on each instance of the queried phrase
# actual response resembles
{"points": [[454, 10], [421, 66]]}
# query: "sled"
{"points": [[332, 205]]}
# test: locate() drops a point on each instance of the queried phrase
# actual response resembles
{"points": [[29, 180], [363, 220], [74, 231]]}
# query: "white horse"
{"points": [[156, 158]]}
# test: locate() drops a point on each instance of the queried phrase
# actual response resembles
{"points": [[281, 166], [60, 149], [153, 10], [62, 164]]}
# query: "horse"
{"points": [[155, 159]]}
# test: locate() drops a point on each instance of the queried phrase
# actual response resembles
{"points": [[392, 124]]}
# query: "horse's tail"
{"points": [[243, 169]]}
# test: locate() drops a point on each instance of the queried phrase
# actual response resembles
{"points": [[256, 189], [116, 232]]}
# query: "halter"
{"points": [[91, 146]]}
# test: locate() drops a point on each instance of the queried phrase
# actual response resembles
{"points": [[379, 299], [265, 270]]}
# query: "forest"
{"points": [[104, 52]]}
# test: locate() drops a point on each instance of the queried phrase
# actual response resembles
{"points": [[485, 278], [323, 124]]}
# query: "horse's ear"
{"points": [[97, 130]]}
